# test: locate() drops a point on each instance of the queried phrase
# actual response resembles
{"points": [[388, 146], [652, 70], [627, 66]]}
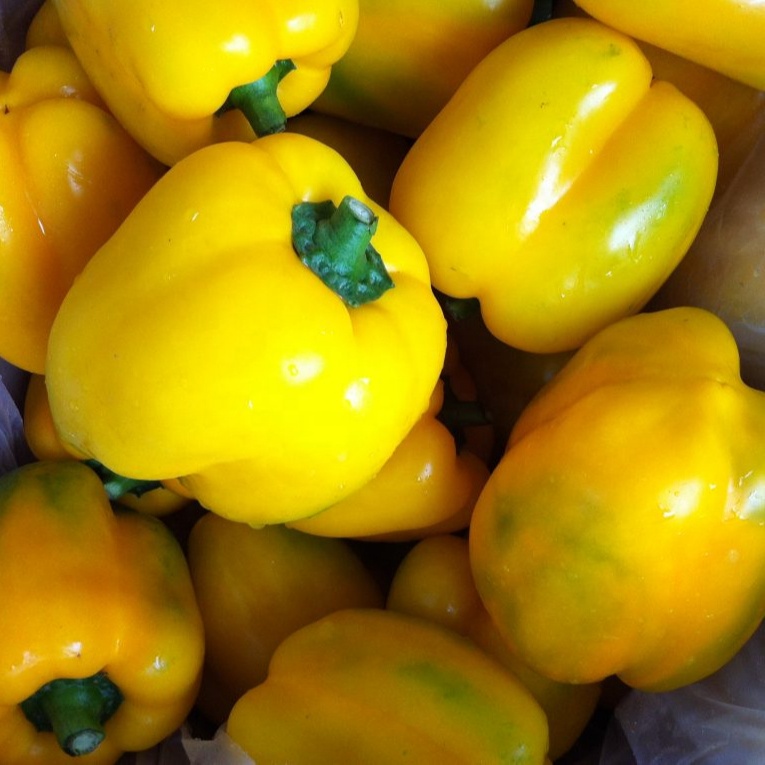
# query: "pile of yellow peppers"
{"points": [[360, 429]]}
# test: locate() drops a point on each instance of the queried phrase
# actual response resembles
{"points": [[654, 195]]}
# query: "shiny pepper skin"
{"points": [[91, 593], [725, 35], [166, 70], [623, 531], [427, 487], [197, 345], [70, 175], [378, 687], [581, 184]]}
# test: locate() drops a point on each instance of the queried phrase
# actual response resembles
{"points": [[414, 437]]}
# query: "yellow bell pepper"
{"points": [[623, 532], [199, 345], [45, 27], [407, 58], [44, 443], [434, 581], [374, 154], [736, 111], [180, 76], [102, 641], [255, 587], [581, 184], [428, 486], [725, 35], [379, 687], [70, 176]]}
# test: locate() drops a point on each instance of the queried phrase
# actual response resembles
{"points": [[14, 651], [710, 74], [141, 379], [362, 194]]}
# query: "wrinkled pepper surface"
{"points": [[434, 581], [725, 35], [407, 58], [255, 587], [180, 76], [102, 641], [199, 344], [582, 183], [70, 176], [375, 686], [623, 532]]}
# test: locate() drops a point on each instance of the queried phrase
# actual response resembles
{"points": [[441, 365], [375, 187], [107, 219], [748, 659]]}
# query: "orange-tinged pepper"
{"points": [[560, 185], [434, 581], [102, 639], [70, 176], [378, 687], [182, 76], [255, 587], [623, 531]]}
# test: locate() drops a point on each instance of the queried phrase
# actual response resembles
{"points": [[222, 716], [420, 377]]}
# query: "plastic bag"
{"points": [[220, 750], [717, 721]]}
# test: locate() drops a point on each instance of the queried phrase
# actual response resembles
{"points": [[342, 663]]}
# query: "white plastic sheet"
{"points": [[717, 721]]}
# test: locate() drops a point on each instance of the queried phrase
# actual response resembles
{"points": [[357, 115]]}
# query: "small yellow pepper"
{"points": [[434, 581], [725, 35], [255, 587], [623, 531], [182, 76], [271, 378], [102, 641], [70, 176], [560, 185], [380, 687]]}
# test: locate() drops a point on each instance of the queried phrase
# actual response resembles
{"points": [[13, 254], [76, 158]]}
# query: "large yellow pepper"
{"points": [[434, 581], [407, 58], [102, 641], [560, 185], [725, 35], [255, 587], [198, 344], [180, 76], [380, 687], [70, 176], [623, 532]]}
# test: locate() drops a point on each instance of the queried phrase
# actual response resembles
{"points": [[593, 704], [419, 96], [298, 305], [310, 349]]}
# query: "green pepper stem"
{"points": [[117, 485], [75, 710], [457, 415], [258, 100], [336, 244]]}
